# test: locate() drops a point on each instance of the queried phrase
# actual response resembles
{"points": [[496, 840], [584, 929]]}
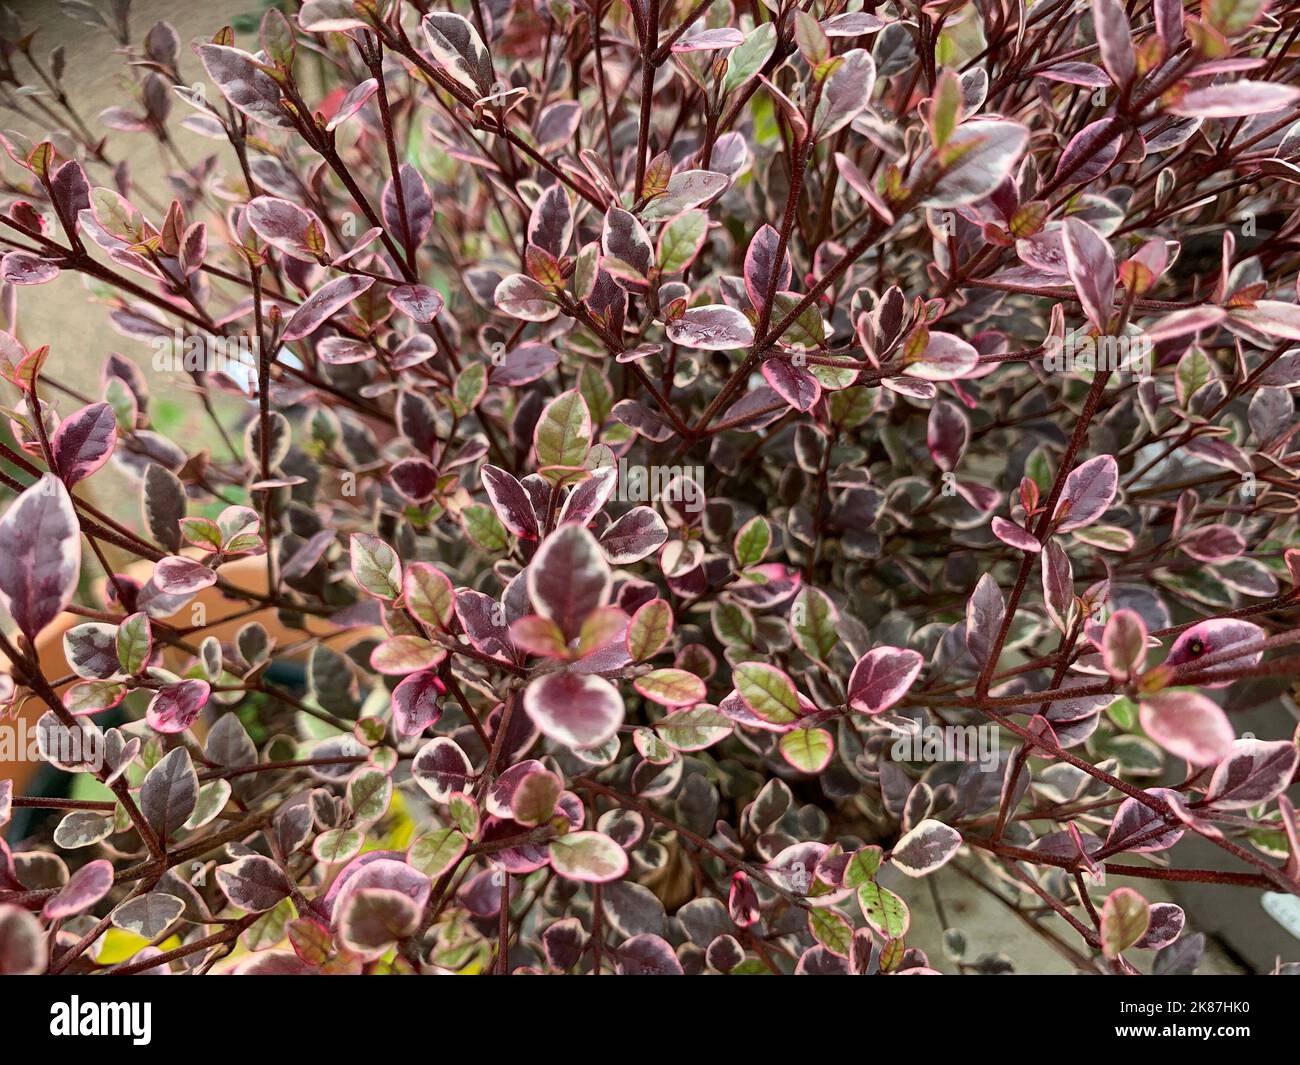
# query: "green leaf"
{"points": [[812, 624], [376, 566], [831, 929], [1125, 916], [134, 641], [1124, 712], [811, 38], [649, 629], [694, 728], [1194, 370], [92, 696], [484, 528], [338, 845], [271, 927], [863, 866], [945, 108], [471, 383], [851, 407], [681, 240], [1038, 468], [436, 852], [120, 398], [652, 747], [1231, 17], [429, 594], [752, 542], [808, 749], [887, 914], [670, 687], [588, 856], [462, 810], [115, 214], [212, 800], [563, 432], [369, 793], [808, 331], [732, 624], [749, 58], [767, 691], [598, 393]]}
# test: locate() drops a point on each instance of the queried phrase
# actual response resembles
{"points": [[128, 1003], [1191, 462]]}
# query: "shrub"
{"points": [[708, 462]]}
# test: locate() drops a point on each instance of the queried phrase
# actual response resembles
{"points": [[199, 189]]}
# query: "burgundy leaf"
{"points": [[713, 328], [795, 384], [286, 226], [416, 479], [323, 304], [510, 501], [550, 226], [23, 268], [241, 81], [84, 441], [568, 578], [763, 273], [589, 496], [984, 612], [947, 433], [415, 702], [638, 533], [1089, 491], [441, 769], [419, 205], [1114, 39], [41, 559], [420, 303]]}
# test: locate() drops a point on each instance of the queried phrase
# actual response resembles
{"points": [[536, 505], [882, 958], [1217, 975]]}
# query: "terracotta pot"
{"points": [[244, 573]]}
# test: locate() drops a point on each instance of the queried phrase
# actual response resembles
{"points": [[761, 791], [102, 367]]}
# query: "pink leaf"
{"points": [[84, 888], [175, 707], [1013, 535], [1091, 265], [178, 575], [1188, 725], [881, 677], [1213, 637], [1089, 490], [574, 709], [795, 384], [1124, 644]]}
